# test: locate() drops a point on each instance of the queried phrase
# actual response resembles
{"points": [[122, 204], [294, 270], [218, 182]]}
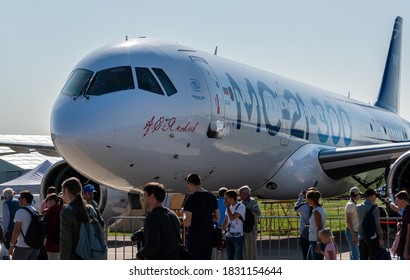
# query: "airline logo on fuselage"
{"points": [[274, 111]]}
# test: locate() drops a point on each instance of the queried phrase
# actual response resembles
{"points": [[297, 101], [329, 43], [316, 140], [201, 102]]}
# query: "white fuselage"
{"points": [[230, 123]]}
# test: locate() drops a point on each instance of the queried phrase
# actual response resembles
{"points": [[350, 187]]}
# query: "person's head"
{"points": [[222, 191], [193, 181], [52, 200], [325, 235], [8, 193], [26, 198], [154, 195], [71, 189], [88, 192], [313, 198], [355, 193], [244, 192], [370, 195], [51, 190], [402, 199], [231, 197]]}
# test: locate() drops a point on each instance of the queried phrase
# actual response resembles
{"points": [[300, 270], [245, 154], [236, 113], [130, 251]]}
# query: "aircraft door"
{"points": [[217, 124]]}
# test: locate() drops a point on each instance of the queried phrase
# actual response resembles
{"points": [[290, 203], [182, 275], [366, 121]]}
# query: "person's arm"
{"points": [[376, 213], [6, 217], [225, 223], [232, 216], [319, 224], [299, 201], [349, 224], [152, 237], [14, 236], [216, 215], [187, 218], [407, 244], [255, 209], [332, 253]]}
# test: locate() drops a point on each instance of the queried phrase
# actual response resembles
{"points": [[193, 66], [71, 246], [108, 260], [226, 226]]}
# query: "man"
{"points": [[250, 249], [368, 249], [10, 207], [234, 226], [305, 212], [161, 227], [18, 247], [352, 223], [88, 195], [200, 212], [402, 199]]}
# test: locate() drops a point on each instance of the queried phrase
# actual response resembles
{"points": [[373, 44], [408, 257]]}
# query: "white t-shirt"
{"points": [[236, 226], [24, 218]]}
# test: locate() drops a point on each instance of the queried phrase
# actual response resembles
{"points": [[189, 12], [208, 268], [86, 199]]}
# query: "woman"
{"points": [[317, 222], [71, 218], [52, 216]]}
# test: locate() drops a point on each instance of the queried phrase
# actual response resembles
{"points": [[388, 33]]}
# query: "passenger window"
{"points": [[111, 80], [165, 81], [147, 81], [77, 82]]}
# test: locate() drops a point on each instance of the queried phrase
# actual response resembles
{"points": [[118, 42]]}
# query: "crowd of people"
{"points": [[363, 229], [203, 214], [63, 213]]}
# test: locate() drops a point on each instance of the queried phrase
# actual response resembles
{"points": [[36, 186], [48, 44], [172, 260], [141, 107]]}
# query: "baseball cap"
{"points": [[369, 192], [355, 190], [89, 188]]}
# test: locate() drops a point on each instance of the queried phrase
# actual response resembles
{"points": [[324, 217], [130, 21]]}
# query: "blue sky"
{"points": [[336, 45]]}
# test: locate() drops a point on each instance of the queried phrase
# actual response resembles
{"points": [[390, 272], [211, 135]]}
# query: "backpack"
{"points": [[369, 226], [91, 243], [249, 221], [37, 230]]}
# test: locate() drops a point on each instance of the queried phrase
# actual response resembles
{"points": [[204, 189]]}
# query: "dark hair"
{"points": [[232, 194], [403, 195], [53, 196], [156, 189], [222, 191], [73, 185], [51, 190], [27, 195], [194, 179]]}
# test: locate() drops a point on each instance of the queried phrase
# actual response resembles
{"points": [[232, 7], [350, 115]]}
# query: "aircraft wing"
{"points": [[29, 143], [342, 162]]}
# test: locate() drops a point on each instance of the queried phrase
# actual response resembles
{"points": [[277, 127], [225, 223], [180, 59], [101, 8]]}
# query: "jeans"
{"points": [[354, 248], [234, 248], [312, 255]]}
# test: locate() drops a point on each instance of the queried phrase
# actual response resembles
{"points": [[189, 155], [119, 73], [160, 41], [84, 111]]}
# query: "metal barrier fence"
{"points": [[278, 237]]}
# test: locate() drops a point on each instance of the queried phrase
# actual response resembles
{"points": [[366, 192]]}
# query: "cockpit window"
{"points": [[147, 81], [165, 81], [111, 80], [77, 82]]}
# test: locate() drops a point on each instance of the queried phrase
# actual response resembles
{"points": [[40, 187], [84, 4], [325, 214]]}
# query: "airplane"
{"points": [[144, 110]]}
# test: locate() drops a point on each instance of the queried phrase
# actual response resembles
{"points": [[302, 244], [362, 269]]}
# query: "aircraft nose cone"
{"points": [[80, 129]]}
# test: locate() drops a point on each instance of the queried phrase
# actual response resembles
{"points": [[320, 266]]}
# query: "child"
{"points": [[326, 237]]}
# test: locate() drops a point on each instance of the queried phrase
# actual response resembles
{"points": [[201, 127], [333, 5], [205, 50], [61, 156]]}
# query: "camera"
{"points": [[138, 237]]}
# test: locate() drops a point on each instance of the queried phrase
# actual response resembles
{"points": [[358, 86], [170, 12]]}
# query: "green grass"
{"points": [[288, 225]]}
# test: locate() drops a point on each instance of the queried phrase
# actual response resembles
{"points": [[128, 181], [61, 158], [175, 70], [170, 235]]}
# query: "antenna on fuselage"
{"points": [[126, 38], [216, 50], [348, 95]]}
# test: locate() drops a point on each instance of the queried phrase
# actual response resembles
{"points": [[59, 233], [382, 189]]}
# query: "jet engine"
{"points": [[399, 175], [112, 202]]}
